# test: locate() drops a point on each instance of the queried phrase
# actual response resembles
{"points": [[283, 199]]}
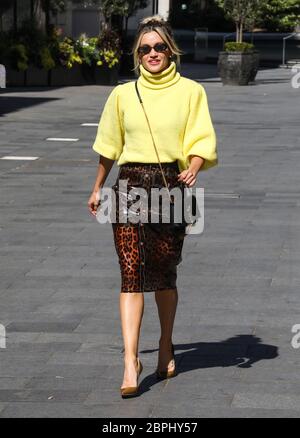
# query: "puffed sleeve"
{"points": [[199, 137], [109, 140]]}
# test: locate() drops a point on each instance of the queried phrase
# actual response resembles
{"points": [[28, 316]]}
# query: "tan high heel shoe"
{"points": [[132, 391], [167, 374]]}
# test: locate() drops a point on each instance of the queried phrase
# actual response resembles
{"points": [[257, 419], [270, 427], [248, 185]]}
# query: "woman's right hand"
{"points": [[93, 202]]}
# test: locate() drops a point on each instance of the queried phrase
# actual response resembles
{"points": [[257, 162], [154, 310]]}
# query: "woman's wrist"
{"points": [[97, 188], [196, 162]]}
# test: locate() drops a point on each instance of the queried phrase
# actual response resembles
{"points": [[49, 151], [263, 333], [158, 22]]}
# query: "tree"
{"points": [[49, 7], [36, 6], [245, 14], [133, 6], [280, 15]]}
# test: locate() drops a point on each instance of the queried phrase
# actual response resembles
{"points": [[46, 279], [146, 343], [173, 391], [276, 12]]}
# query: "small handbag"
{"points": [[183, 225]]}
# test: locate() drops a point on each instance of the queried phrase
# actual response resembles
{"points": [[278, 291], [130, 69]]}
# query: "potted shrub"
{"points": [[16, 62], [108, 66], [88, 51], [100, 57], [39, 57], [27, 55], [238, 63], [15, 59], [67, 70]]}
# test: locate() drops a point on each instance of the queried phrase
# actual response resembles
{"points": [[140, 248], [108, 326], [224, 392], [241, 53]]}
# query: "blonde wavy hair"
{"points": [[162, 27]]}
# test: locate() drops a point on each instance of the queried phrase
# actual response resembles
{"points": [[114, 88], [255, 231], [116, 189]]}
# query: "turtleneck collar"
{"points": [[163, 79]]}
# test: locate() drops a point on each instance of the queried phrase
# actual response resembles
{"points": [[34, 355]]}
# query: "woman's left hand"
{"points": [[188, 177]]}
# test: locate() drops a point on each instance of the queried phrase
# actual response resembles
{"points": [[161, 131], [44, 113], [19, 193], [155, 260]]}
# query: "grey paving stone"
{"points": [[2, 406], [73, 396], [100, 396], [80, 371], [35, 347], [168, 411], [74, 337], [22, 368], [97, 325], [19, 337], [88, 384], [70, 410], [11, 383], [28, 326], [85, 358], [267, 401]]}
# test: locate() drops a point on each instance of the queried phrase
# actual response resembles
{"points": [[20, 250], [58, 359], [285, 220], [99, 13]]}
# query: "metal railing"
{"points": [[284, 47], [200, 36]]}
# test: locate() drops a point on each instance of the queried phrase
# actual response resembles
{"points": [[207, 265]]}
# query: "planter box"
{"points": [[238, 68], [84, 75], [15, 78], [255, 65], [36, 77], [126, 65], [107, 76], [62, 76]]}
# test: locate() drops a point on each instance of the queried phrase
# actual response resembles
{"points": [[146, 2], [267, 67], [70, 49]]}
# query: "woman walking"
{"points": [[179, 118]]}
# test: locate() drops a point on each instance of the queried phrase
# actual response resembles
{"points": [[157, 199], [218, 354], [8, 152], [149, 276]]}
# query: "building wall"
{"points": [[160, 7], [78, 19]]}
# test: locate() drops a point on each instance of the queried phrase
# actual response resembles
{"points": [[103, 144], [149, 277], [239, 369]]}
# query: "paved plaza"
{"points": [[238, 283]]}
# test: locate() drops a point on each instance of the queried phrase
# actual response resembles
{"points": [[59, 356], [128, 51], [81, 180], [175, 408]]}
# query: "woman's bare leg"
{"points": [[131, 310], [166, 301]]}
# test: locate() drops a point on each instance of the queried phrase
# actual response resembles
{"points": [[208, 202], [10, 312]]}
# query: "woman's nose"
{"points": [[152, 51]]}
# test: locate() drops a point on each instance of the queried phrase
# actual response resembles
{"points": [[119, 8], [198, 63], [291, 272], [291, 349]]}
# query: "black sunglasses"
{"points": [[158, 47]]}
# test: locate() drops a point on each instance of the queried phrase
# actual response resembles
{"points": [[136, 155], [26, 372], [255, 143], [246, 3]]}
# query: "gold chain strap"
{"points": [[189, 226], [161, 169]]}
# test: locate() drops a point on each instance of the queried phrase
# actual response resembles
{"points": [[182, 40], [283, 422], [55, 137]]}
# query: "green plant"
{"points": [[17, 57], [47, 60], [109, 58], [110, 47], [53, 41], [101, 50], [87, 49], [280, 15], [67, 54], [239, 47], [36, 43]]}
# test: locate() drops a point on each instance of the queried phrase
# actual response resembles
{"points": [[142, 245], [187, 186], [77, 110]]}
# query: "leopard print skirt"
{"points": [[148, 256]]}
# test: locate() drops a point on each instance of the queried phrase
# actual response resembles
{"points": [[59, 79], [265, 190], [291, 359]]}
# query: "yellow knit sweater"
{"points": [[179, 117]]}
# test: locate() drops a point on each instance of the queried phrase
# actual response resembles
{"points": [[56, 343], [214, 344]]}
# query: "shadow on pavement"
{"points": [[11, 104], [241, 351]]}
